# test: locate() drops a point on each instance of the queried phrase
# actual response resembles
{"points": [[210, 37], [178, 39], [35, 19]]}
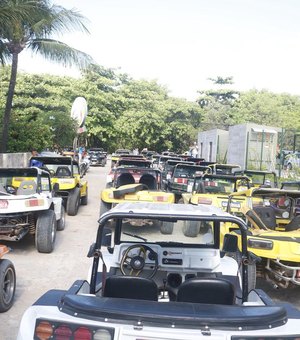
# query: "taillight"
{"points": [[43, 330], [54, 330], [3, 204], [160, 198], [34, 202], [82, 333], [63, 332], [204, 200], [181, 180]]}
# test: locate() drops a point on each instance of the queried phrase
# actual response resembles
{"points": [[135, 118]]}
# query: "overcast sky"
{"points": [[181, 43]]}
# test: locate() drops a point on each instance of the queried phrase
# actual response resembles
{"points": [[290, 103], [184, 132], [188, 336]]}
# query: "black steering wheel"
{"points": [[135, 264]]}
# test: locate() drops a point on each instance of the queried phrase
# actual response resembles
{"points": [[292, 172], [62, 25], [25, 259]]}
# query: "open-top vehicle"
{"points": [[134, 184], [7, 280], [213, 189], [182, 178], [97, 156], [116, 155], [224, 169], [65, 172], [127, 162], [29, 205], [147, 285], [260, 178], [274, 232], [168, 168]]}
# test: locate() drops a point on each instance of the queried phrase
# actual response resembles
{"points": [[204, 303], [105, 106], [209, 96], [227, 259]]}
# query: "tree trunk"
{"points": [[9, 99]]}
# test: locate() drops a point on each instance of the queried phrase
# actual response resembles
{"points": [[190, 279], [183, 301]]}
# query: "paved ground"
{"points": [[37, 273]]}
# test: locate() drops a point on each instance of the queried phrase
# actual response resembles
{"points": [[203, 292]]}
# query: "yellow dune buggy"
{"points": [[66, 173], [136, 184], [274, 232]]}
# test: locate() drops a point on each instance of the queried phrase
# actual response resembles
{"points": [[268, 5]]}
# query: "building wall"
{"points": [[14, 160], [212, 145], [253, 146]]}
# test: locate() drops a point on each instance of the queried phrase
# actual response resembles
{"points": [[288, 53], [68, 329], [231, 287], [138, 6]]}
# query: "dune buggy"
{"points": [[147, 285], [181, 180], [274, 232], [29, 205], [136, 185], [65, 172], [260, 178], [213, 189]]}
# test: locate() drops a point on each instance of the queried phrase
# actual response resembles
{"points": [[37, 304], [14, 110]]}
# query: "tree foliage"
{"points": [[33, 24]]}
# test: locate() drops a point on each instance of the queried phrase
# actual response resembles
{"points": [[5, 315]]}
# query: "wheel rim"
{"points": [[8, 286]]}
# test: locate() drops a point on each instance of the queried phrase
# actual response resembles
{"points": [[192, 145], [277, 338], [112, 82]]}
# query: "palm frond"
{"points": [[58, 21], [60, 52], [5, 56]]}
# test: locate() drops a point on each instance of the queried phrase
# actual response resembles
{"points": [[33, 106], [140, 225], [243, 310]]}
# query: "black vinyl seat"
{"points": [[125, 178], [267, 215], [207, 290], [130, 287], [149, 181], [63, 171]]}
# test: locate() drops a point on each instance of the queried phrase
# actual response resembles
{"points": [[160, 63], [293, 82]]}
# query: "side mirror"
{"points": [[55, 187], [230, 244]]}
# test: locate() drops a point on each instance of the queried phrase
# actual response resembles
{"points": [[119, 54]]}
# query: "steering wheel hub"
{"points": [[137, 263]]}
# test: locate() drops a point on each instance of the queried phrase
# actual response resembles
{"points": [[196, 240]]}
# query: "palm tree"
{"points": [[32, 24]]}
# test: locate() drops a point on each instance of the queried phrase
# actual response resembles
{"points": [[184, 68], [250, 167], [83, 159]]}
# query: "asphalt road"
{"points": [[37, 273]]}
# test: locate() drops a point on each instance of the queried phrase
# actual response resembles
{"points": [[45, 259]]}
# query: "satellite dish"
{"points": [[79, 110]]}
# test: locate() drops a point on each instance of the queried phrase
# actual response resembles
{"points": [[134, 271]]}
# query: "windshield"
{"points": [[173, 232], [214, 185]]}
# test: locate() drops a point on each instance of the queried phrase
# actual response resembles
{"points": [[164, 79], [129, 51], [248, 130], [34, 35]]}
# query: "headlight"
{"points": [[260, 244]]}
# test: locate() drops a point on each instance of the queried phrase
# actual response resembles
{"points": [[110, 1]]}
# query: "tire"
{"points": [[191, 228], [61, 223], [167, 227], [84, 199], [7, 284], [45, 231], [73, 202], [104, 207], [251, 270]]}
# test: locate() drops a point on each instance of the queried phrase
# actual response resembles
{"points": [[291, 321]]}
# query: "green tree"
{"points": [[35, 32]]}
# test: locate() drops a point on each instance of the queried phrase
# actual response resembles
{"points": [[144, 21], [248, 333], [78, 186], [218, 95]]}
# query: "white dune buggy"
{"points": [[144, 284], [29, 205]]}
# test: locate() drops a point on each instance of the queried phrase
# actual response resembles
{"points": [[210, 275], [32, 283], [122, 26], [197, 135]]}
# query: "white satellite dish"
{"points": [[79, 111]]}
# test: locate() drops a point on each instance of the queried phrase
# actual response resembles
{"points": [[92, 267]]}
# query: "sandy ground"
{"points": [[37, 273]]}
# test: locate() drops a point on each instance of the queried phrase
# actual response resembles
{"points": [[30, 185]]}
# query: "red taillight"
{"points": [[44, 330], [204, 200], [160, 198], [82, 333], [34, 202], [3, 204], [63, 333], [298, 274], [181, 180]]}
